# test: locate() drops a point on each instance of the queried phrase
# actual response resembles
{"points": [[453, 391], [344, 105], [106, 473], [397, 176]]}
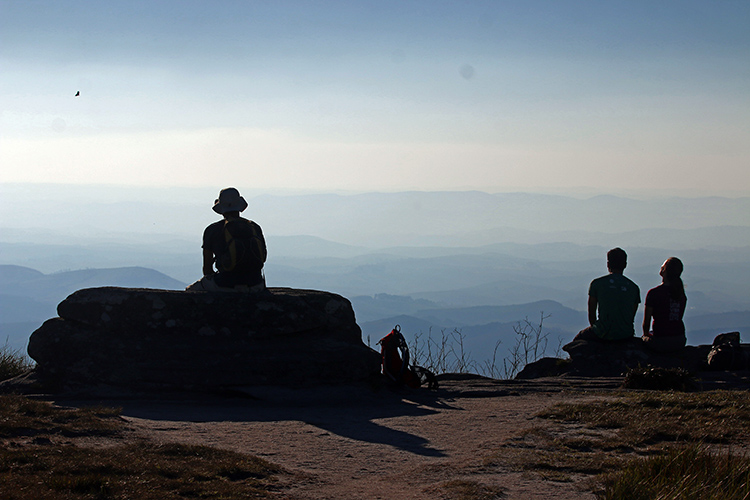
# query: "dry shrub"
{"points": [[13, 363]]}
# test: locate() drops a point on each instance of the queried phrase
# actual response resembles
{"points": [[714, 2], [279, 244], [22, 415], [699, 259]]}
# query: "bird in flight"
{"points": [[78, 93]]}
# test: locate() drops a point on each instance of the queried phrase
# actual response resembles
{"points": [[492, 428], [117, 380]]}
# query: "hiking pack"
{"points": [[396, 363], [727, 353], [246, 248]]}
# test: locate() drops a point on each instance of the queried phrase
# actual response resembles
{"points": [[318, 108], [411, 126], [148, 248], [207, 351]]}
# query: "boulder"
{"points": [[544, 367], [160, 340]]}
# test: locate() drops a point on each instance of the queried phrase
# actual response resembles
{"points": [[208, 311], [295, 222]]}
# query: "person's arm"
{"points": [[648, 313], [208, 262], [592, 309]]}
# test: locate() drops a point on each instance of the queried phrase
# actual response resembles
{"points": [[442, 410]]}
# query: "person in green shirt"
{"points": [[613, 302]]}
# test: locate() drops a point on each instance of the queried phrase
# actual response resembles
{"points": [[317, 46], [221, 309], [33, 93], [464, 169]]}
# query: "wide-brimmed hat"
{"points": [[229, 200]]}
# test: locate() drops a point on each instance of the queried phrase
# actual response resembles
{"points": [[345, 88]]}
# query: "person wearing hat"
{"points": [[234, 249]]}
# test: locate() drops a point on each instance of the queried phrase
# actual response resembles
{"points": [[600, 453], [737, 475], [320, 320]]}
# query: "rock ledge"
{"points": [[160, 340]]}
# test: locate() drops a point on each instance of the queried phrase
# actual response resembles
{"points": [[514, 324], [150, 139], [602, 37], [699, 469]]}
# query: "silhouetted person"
{"points": [[665, 304], [234, 249], [613, 301]]}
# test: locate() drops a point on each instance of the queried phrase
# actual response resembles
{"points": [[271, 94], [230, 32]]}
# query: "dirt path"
{"points": [[355, 445]]}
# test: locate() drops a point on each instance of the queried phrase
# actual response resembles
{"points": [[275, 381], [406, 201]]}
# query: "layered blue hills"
{"points": [[29, 297]]}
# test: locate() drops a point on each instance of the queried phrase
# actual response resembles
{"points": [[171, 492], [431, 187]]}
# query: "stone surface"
{"points": [[603, 359], [614, 359], [157, 340], [544, 367]]}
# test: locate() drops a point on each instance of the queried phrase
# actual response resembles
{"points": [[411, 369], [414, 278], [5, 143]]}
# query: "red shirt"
{"points": [[667, 312]]}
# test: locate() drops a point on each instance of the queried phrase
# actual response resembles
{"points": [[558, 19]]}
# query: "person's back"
{"points": [[235, 246], [665, 305], [612, 304], [239, 251], [617, 298]]}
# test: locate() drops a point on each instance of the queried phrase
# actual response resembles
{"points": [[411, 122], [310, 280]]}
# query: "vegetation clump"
{"points": [[646, 419], [691, 473], [20, 416], [12, 363], [645, 445], [660, 379]]}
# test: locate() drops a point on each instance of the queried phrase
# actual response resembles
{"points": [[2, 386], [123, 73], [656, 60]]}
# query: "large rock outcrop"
{"points": [[159, 340]]}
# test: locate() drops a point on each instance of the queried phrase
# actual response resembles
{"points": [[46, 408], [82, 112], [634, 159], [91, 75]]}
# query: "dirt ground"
{"points": [[359, 444]]}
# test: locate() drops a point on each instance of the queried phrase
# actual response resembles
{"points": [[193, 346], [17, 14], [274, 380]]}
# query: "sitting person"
{"points": [[665, 304], [235, 246], [613, 302]]}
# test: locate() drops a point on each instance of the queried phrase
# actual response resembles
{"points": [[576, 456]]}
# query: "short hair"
{"points": [[617, 259]]}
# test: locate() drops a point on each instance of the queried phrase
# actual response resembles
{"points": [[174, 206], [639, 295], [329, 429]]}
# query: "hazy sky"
{"points": [[382, 95]]}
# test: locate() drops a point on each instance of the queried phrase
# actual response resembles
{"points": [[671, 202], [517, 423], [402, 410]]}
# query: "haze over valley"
{"points": [[429, 261]]}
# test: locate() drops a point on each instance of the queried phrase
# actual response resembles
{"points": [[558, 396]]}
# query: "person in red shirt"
{"points": [[663, 329]]}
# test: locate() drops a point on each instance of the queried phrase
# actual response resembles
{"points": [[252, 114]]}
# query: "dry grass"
{"points": [[673, 441], [13, 362], [690, 473], [132, 471], [33, 468], [642, 420], [20, 416]]}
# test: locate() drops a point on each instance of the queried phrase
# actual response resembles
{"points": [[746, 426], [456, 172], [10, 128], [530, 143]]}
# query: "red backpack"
{"points": [[395, 359]]}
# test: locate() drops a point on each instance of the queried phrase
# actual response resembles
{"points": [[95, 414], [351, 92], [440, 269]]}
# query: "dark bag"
{"points": [[245, 247], [726, 353]]}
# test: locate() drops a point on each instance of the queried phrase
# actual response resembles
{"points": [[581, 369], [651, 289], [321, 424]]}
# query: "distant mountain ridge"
{"points": [[29, 297], [379, 220], [56, 286]]}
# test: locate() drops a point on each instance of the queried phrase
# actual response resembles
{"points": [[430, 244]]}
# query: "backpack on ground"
{"points": [[246, 248], [395, 363], [726, 353]]}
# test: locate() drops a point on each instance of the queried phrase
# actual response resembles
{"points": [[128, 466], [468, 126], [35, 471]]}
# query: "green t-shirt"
{"points": [[617, 299]]}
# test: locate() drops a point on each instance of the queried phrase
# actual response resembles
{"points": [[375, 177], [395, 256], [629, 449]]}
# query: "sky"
{"points": [[616, 96]]}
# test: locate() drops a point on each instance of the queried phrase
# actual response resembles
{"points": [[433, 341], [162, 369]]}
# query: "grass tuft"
{"points": [[691, 473], [660, 379], [13, 362]]}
